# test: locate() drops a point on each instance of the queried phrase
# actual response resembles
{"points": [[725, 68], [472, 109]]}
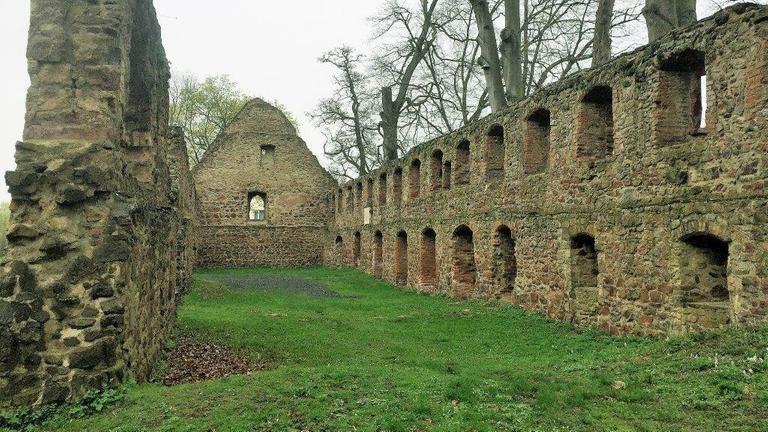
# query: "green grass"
{"points": [[380, 359]]}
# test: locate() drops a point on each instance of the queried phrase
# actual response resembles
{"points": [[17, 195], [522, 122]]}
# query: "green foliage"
{"points": [[94, 402], [377, 358], [203, 109]]}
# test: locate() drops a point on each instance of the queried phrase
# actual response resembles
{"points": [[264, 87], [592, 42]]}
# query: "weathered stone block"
{"points": [[100, 352], [81, 323], [114, 306]]}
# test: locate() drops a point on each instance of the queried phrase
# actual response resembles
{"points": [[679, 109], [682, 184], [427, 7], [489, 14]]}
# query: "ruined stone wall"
{"points": [[607, 179], [184, 197], [261, 154], [88, 288]]}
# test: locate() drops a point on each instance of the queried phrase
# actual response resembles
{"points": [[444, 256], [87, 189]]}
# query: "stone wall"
{"points": [[101, 203], [606, 178], [260, 154]]}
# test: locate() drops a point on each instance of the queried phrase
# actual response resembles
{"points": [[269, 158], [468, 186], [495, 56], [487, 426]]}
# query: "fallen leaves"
{"points": [[191, 360]]}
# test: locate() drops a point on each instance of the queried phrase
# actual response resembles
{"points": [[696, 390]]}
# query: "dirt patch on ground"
{"points": [[267, 283], [191, 360]]}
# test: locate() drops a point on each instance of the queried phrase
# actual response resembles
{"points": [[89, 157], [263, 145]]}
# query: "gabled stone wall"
{"points": [[261, 154], [638, 184], [100, 218]]}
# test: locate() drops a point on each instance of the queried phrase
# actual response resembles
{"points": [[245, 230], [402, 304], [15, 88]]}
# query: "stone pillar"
{"points": [[88, 289]]}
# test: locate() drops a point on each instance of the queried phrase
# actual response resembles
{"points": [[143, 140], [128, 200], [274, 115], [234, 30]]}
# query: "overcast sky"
{"points": [[270, 48]]}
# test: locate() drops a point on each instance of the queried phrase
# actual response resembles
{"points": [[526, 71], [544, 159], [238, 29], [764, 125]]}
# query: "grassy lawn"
{"points": [[380, 359]]}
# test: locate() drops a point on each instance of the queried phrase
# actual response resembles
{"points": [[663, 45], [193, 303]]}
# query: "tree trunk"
{"points": [[391, 107], [601, 44], [489, 54], [660, 17], [663, 16], [686, 12], [388, 124], [510, 50]]}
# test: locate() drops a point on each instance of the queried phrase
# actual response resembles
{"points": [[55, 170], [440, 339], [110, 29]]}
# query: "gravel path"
{"points": [[266, 283]]}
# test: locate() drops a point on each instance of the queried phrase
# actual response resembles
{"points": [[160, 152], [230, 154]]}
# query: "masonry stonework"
{"points": [[613, 206], [602, 199], [101, 204], [260, 154]]}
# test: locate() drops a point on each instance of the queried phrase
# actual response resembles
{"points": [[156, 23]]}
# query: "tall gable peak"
{"points": [[259, 116]]}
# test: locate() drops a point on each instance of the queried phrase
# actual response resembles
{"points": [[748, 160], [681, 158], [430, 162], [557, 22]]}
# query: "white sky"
{"points": [[250, 40]]}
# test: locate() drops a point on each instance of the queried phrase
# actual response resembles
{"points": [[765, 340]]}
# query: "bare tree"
{"points": [[556, 39], [601, 50], [489, 59], [399, 61], [348, 117], [433, 70], [448, 89], [511, 52]]}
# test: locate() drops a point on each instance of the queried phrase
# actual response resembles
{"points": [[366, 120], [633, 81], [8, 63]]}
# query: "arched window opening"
{"points": [[267, 155], [594, 136], [536, 142], [704, 289], [356, 250], [257, 207], [350, 199], [369, 193], [359, 195], [463, 162], [584, 272], [414, 179], [436, 170], [383, 189], [339, 246], [428, 264], [397, 185], [401, 259], [378, 253], [681, 111], [494, 152], [447, 172], [339, 201], [505, 262], [464, 271]]}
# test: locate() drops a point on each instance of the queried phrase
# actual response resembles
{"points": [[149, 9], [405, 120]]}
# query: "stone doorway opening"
{"points": [[401, 259], [356, 249], [584, 272], [464, 273], [505, 262], [340, 250], [378, 252], [428, 265], [704, 293]]}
